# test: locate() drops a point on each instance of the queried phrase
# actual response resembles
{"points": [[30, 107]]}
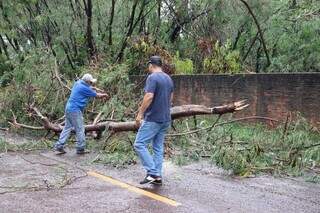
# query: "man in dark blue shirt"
{"points": [[81, 92], [154, 120]]}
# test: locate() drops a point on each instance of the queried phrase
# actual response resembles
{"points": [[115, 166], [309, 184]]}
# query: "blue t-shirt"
{"points": [[161, 85], [80, 94]]}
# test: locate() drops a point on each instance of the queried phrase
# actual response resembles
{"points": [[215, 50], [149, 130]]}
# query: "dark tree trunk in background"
{"points": [[159, 21], [130, 30], [89, 37], [113, 4], [132, 23], [259, 30]]}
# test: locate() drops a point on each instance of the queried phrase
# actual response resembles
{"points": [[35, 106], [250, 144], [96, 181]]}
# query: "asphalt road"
{"points": [[44, 182]]}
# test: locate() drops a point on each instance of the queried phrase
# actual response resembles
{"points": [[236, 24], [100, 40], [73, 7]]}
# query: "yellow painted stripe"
{"points": [[134, 189]]}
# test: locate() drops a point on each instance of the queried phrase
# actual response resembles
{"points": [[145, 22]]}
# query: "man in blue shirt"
{"points": [[81, 92], [154, 120]]}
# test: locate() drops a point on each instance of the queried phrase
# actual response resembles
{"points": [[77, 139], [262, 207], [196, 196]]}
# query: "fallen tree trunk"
{"points": [[176, 113]]}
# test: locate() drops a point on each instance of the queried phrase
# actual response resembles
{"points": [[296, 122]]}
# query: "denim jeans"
{"points": [[151, 132], [73, 121]]}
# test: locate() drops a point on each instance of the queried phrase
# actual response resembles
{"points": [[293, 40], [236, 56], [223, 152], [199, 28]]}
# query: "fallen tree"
{"points": [[176, 113]]}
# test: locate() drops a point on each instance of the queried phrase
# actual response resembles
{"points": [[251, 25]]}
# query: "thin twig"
{"points": [[110, 136], [15, 124], [215, 123], [31, 162], [4, 129], [220, 124], [57, 75], [311, 146]]}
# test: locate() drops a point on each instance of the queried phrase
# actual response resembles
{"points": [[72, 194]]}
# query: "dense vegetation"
{"points": [[196, 36], [46, 44], [43, 41]]}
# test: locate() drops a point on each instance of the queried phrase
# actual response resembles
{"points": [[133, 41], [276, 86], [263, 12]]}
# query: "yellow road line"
{"points": [[134, 189]]}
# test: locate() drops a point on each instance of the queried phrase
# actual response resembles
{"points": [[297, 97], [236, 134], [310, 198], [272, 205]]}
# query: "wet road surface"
{"points": [[45, 182]]}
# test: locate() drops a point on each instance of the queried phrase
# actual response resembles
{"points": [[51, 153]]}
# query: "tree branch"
{"points": [[176, 113], [259, 30], [221, 124]]}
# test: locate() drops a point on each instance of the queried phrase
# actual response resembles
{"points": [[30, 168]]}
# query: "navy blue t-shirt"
{"points": [[161, 85], [80, 94]]}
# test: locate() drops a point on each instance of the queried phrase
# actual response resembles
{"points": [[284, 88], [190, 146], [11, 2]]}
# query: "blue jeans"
{"points": [[73, 121], [151, 132]]}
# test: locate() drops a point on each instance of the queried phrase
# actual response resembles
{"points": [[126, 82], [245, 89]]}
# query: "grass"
{"points": [[251, 149], [28, 146]]}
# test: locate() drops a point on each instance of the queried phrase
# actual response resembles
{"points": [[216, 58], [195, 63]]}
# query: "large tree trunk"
{"points": [[176, 113]]}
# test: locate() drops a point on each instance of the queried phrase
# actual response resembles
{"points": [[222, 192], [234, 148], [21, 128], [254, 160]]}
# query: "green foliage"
{"points": [[27, 146], [248, 149], [212, 36], [222, 60], [139, 52], [115, 80], [57, 28], [5, 146], [297, 40], [119, 152], [182, 66], [5, 71], [33, 82]]}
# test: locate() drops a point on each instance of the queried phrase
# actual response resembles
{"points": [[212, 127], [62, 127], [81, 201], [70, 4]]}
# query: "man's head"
{"points": [[154, 63], [89, 79]]}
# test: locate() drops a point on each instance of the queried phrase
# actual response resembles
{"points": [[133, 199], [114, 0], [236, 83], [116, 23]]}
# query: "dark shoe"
{"points": [[59, 151], [82, 151], [158, 181], [149, 179]]}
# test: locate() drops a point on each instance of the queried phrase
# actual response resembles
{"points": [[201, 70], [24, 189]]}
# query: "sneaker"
{"points": [[149, 179], [158, 181], [59, 151], [82, 151]]}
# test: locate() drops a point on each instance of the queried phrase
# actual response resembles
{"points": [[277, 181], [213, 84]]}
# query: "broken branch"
{"points": [[3, 129], [176, 113], [220, 124]]}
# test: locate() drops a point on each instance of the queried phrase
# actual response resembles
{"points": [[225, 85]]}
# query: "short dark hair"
{"points": [[155, 60]]}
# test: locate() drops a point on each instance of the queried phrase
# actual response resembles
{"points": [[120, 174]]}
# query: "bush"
{"points": [[222, 60], [182, 66]]}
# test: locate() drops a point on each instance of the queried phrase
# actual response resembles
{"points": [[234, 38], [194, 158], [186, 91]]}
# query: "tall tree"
{"points": [[89, 36]]}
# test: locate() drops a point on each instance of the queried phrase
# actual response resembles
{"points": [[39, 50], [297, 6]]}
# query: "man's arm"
{"points": [[102, 95], [97, 89], [147, 100]]}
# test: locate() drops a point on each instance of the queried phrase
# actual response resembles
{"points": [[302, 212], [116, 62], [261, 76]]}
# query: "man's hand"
{"points": [[147, 99], [139, 119], [97, 89], [103, 96]]}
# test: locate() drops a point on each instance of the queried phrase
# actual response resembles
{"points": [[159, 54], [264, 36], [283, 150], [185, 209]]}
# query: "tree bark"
{"points": [[113, 4], [89, 37], [176, 113], [132, 25]]}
